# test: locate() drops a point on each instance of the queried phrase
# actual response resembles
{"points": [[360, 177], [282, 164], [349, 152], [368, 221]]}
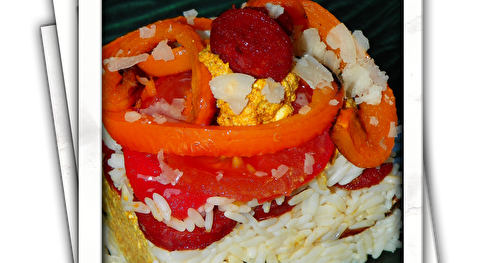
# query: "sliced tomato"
{"points": [[170, 87], [142, 168], [240, 179]]}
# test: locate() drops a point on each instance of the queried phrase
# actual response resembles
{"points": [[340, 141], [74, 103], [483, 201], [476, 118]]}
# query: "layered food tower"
{"points": [[263, 135]]}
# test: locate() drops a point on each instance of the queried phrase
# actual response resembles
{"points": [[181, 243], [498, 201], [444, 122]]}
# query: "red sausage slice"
{"points": [[170, 239], [369, 177], [252, 43]]}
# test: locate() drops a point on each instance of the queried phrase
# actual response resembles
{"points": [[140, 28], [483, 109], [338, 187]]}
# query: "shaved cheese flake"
{"points": [[313, 72], [382, 144], [361, 42], [310, 43], [170, 192], [393, 131], [145, 32], [168, 175], [378, 77], [118, 63], [308, 163], [162, 107], [278, 173], [373, 121], [232, 88], [340, 37], [204, 34], [190, 16], [132, 116], [333, 102], [304, 110], [163, 51], [357, 82], [260, 174], [332, 61], [301, 99], [273, 91], [219, 176], [274, 10]]}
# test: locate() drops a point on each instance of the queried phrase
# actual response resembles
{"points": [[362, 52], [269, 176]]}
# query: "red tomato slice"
{"points": [[141, 166], [201, 176], [170, 87]]}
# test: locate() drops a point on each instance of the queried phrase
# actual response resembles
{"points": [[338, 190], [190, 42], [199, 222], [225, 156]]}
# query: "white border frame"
{"points": [[89, 127], [413, 133], [89, 132]]}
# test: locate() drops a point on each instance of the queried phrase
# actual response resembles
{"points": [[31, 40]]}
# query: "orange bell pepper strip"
{"points": [[181, 62], [160, 68], [319, 17], [362, 143], [117, 94], [195, 140]]}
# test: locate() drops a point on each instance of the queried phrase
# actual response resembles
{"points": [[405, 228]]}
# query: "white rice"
{"points": [[308, 233]]}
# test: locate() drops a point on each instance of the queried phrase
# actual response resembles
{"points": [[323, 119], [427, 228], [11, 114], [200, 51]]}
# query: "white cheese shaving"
{"points": [[163, 51], [382, 144], [310, 43], [204, 34], [132, 116], [219, 176], [260, 174], [190, 16], [301, 99], [373, 121], [358, 83], [168, 175], [379, 77], [304, 110], [333, 102], [118, 63], [279, 172], [162, 107], [361, 42], [273, 91], [169, 192], [145, 32], [274, 10], [312, 72], [143, 80], [340, 37], [308, 163], [232, 88], [393, 131]]}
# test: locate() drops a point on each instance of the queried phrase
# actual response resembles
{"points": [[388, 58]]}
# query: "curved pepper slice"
{"points": [[181, 63], [118, 95], [195, 140]]}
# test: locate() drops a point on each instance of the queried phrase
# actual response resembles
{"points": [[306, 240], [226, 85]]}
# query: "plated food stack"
{"points": [[263, 135]]}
